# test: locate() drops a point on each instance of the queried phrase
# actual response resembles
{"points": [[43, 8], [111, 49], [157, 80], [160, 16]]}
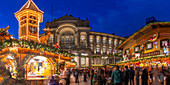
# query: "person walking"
{"points": [[144, 77], [161, 77], [94, 79], [85, 74], [156, 76], [168, 77], [151, 76], [76, 73], [68, 76], [91, 74], [117, 75], [137, 75], [101, 76], [126, 75], [131, 75]]}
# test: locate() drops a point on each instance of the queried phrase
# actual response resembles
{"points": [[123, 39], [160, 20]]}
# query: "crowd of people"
{"points": [[117, 76], [130, 76]]}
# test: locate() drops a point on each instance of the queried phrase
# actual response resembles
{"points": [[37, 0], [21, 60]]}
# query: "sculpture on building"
{"points": [[4, 35], [44, 39]]}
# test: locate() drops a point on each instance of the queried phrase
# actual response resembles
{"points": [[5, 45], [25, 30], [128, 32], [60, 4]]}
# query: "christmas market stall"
{"points": [[148, 47]]}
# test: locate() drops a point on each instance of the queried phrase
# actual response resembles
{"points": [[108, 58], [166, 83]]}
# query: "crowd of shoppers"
{"points": [[118, 76]]}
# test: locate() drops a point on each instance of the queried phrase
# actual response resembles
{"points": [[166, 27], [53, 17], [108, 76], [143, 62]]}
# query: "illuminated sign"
{"points": [[150, 54]]}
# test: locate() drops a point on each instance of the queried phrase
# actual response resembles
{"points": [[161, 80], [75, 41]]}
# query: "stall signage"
{"points": [[153, 37], [164, 34], [150, 54]]}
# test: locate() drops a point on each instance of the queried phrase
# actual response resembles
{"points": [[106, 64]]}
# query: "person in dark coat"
{"points": [[117, 76], [101, 76], [137, 75], [76, 73], [168, 77], [126, 75], [131, 75], [85, 74], [68, 76], [144, 77]]}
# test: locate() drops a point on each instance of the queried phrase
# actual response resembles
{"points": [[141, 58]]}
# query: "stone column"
{"points": [[79, 56], [101, 44], [94, 40], [107, 45], [87, 40], [76, 38], [58, 38]]}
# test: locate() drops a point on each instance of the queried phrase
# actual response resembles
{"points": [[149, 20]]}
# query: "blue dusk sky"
{"points": [[122, 17]]}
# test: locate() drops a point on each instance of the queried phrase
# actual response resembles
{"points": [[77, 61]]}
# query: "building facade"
{"points": [[75, 35], [151, 40]]}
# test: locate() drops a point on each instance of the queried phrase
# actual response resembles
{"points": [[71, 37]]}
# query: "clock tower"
{"points": [[29, 17]]}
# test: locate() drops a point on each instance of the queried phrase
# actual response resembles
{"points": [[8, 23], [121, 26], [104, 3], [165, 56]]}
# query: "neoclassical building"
{"points": [[75, 35]]}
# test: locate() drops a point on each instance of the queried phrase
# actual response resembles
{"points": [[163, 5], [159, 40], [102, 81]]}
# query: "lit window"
{"points": [[82, 37], [91, 48], [62, 39], [72, 39], [110, 50], [98, 40], [98, 61], [110, 42], [51, 38], [120, 42], [67, 39], [104, 41], [115, 51], [104, 50], [97, 49], [115, 42], [120, 50], [91, 39]]}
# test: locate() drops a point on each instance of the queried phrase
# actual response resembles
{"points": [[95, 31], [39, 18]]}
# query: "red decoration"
{"points": [[153, 37], [1, 33], [56, 45], [32, 29]]}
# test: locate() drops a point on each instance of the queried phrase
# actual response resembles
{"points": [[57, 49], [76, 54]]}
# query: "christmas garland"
{"points": [[32, 45], [143, 59]]}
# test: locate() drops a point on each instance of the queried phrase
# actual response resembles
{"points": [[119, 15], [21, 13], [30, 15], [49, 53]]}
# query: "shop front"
{"points": [[40, 67], [148, 47]]}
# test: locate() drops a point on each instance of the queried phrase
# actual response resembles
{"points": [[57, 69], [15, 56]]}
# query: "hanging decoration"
{"points": [[142, 46], [56, 45], [153, 37], [166, 49]]}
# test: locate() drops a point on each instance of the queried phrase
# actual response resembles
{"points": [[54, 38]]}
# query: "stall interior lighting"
{"points": [[9, 57]]}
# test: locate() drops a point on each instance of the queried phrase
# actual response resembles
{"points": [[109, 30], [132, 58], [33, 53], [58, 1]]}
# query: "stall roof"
{"points": [[140, 32]]}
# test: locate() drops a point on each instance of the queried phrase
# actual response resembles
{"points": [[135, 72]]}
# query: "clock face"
{"points": [[32, 29]]}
